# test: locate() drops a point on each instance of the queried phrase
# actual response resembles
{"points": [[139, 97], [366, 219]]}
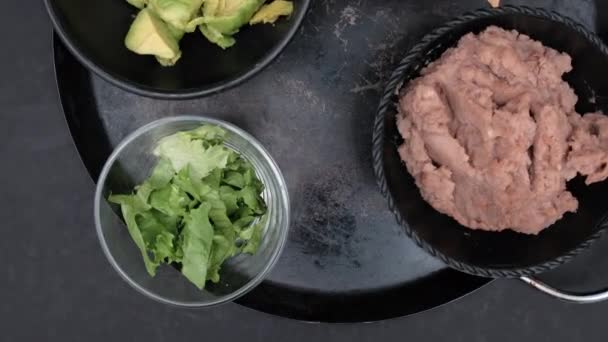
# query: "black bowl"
{"points": [[94, 31], [491, 254]]}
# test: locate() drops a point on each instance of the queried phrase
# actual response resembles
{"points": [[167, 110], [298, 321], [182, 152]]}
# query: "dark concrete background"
{"points": [[55, 284]]}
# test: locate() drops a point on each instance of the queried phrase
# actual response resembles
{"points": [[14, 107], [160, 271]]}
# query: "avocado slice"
{"points": [[175, 32], [138, 3], [149, 35], [223, 18], [176, 12], [231, 15], [210, 7], [169, 62], [268, 14], [223, 41]]}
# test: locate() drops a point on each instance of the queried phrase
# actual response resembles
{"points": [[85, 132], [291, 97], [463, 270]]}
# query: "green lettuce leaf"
{"points": [[164, 248], [251, 197], [230, 197], [159, 231], [221, 250], [191, 185], [152, 223], [170, 200], [254, 234], [160, 177], [235, 179], [243, 222], [214, 179], [211, 135], [198, 237], [132, 206], [222, 223], [181, 150]]}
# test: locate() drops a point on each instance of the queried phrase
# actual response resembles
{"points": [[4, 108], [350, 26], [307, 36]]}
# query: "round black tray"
{"points": [[346, 260]]}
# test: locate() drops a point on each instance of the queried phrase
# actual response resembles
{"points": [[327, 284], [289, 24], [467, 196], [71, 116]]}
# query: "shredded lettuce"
{"points": [[201, 205], [198, 237]]}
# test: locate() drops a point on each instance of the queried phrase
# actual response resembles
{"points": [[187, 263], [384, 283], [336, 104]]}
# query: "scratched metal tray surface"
{"points": [[346, 260]]}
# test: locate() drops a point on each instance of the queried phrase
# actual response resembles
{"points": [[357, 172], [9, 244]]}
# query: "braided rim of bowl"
{"points": [[395, 83]]}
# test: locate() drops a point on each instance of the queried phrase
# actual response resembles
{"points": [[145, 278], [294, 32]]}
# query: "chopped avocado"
{"points": [[169, 62], [210, 7], [149, 35], [138, 3], [176, 33], [194, 23], [223, 18], [176, 12], [268, 14], [161, 24], [230, 15], [223, 41]]}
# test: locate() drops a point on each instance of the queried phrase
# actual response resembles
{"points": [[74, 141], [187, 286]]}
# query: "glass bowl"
{"points": [[131, 163]]}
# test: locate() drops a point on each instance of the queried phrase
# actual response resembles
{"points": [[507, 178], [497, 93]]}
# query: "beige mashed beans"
{"points": [[491, 133]]}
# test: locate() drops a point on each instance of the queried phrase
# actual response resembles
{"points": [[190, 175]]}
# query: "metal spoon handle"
{"points": [[566, 296]]}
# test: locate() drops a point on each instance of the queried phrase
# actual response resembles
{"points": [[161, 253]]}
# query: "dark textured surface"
{"points": [[56, 284]]}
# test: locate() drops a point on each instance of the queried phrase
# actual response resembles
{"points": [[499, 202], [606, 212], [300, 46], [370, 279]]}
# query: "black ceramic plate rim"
{"points": [[482, 281], [485, 283], [396, 82], [183, 94]]}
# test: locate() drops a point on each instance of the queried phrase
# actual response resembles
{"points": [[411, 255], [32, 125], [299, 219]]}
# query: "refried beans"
{"points": [[491, 134]]}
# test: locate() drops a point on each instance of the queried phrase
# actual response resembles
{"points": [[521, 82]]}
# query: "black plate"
{"points": [[85, 27], [347, 260]]}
